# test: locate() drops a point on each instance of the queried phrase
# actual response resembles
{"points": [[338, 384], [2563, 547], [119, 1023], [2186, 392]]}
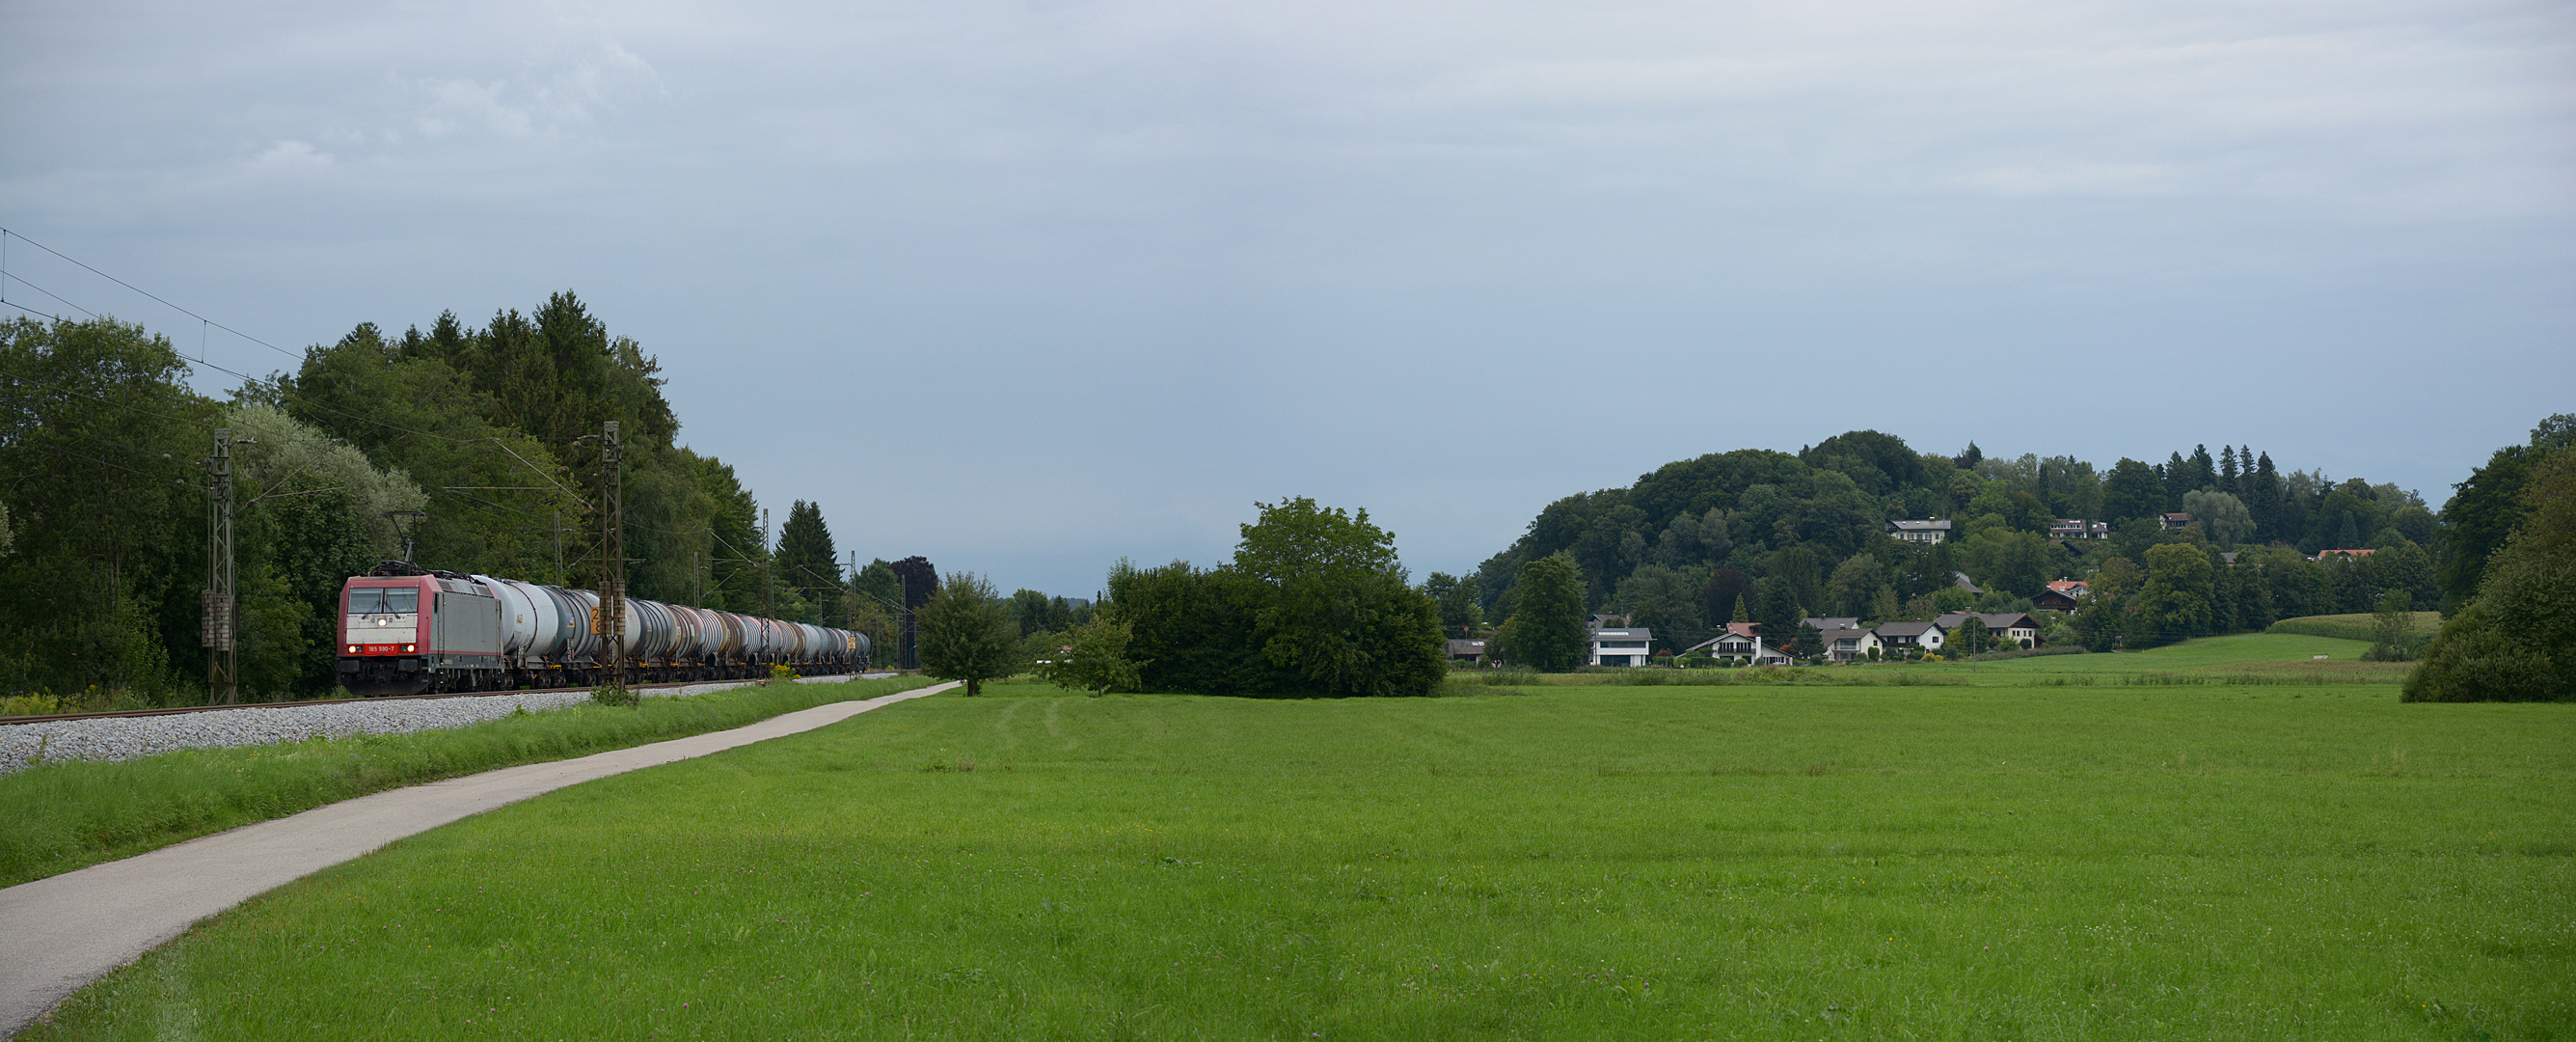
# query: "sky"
{"points": [[1027, 286]]}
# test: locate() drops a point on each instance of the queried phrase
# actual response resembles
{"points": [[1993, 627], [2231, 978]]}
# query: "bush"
{"points": [[2516, 642]]}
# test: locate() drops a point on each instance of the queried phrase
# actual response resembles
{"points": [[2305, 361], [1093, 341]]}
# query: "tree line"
{"points": [[1314, 603], [1772, 537], [477, 445]]}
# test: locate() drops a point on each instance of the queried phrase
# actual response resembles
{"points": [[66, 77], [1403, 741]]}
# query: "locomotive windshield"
{"points": [[372, 600]]}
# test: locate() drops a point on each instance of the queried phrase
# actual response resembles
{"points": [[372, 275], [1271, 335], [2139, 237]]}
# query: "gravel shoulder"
{"points": [[128, 737], [66, 931]]}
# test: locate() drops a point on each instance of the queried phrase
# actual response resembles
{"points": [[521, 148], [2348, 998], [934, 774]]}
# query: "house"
{"points": [[1849, 645], [2326, 555], [1961, 580], [1625, 646], [1933, 531], [2078, 528], [1833, 622], [1466, 651], [2172, 521], [2062, 595], [2011, 626], [1896, 637], [1742, 641]]}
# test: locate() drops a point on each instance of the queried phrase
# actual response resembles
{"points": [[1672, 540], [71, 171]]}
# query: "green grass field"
{"points": [[65, 815], [2362, 627], [1990, 859]]}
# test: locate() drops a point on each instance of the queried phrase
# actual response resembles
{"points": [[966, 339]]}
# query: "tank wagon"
{"points": [[405, 631]]}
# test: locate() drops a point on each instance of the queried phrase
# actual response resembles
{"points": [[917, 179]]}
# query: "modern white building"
{"points": [[1624, 646], [1931, 531]]}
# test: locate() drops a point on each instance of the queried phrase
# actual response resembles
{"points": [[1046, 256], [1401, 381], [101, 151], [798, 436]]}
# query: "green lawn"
{"points": [[1996, 860]]}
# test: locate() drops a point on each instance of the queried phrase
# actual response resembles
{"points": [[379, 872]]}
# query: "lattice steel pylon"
{"points": [[217, 629], [612, 559]]}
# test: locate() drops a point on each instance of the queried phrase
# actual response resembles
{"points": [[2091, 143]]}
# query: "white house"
{"points": [[1896, 637], [1932, 531], [1626, 646], [1850, 645], [2014, 627], [2079, 528], [1742, 642]]}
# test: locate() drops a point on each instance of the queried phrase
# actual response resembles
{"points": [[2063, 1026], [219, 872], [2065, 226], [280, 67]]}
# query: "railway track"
{"points": [[178, 710]]}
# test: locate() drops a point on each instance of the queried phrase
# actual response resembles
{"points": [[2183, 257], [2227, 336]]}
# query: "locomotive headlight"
{"points": [[353, 649], [380, 622], [407, 647]]}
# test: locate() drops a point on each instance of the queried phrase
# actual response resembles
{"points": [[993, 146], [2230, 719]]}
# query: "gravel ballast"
{"points": [[113, 738]]}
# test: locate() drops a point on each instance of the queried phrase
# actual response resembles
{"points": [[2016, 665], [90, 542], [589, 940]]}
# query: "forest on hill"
{"points": [[1781, 535], [478, 444]]}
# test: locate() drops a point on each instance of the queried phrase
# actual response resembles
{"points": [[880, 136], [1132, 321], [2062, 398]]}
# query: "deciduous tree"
{"points": [[967, 633], [1547, 632]]}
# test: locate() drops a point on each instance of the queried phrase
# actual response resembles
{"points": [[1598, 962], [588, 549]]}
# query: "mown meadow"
{"points": [[1984, 856]]}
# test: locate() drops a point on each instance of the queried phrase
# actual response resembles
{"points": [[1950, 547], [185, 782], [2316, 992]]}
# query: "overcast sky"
{"points": [[1029, 286]]}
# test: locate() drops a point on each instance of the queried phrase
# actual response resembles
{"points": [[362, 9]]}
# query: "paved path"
{"points": [[62, 932]]}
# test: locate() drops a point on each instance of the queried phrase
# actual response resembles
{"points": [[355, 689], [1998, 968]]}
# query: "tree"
{"points": [[2394, 618], [967, 633], [1973, 637], [1781, 613], [1099, 662], [805, 560], [2516, 641], [2132, 490], [1335, 605], [1194, 631], [2020, 563], [1547, 632], [97, 443], [1858, 584], [2174, 602], [1666, 601], [1460, 613], [2221, 515], [1724, 593], [917, 578], [2480, 518], [1691, 540], [1038, 613]]}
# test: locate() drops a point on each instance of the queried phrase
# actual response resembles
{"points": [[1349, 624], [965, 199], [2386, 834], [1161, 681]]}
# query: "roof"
{"points": [[2070, 585], [1964, 583], [1909, 629], [1743, 629], [1911, 525], [1996, 620], [2321, 554], [1847, 633], [1629, 633], [1833, 622], [1466, 647]]}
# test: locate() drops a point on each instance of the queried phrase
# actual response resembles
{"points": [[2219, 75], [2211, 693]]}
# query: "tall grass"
{"points": [[67, 814]]}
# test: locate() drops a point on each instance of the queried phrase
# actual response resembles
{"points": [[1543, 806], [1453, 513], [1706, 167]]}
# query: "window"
{"points": [[373, 600]]}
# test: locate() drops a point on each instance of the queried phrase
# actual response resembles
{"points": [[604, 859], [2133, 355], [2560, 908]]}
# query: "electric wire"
{"points": [[57, 297], [5, 232]]}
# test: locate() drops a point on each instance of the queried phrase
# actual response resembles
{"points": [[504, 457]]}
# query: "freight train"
{"points": [[409, 631]]}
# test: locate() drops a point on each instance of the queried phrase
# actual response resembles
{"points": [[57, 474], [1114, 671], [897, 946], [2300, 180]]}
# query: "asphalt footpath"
{"points": [[60, 933]]}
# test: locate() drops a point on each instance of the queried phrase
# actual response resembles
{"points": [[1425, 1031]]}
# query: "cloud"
{"points": [[290, 157]]}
